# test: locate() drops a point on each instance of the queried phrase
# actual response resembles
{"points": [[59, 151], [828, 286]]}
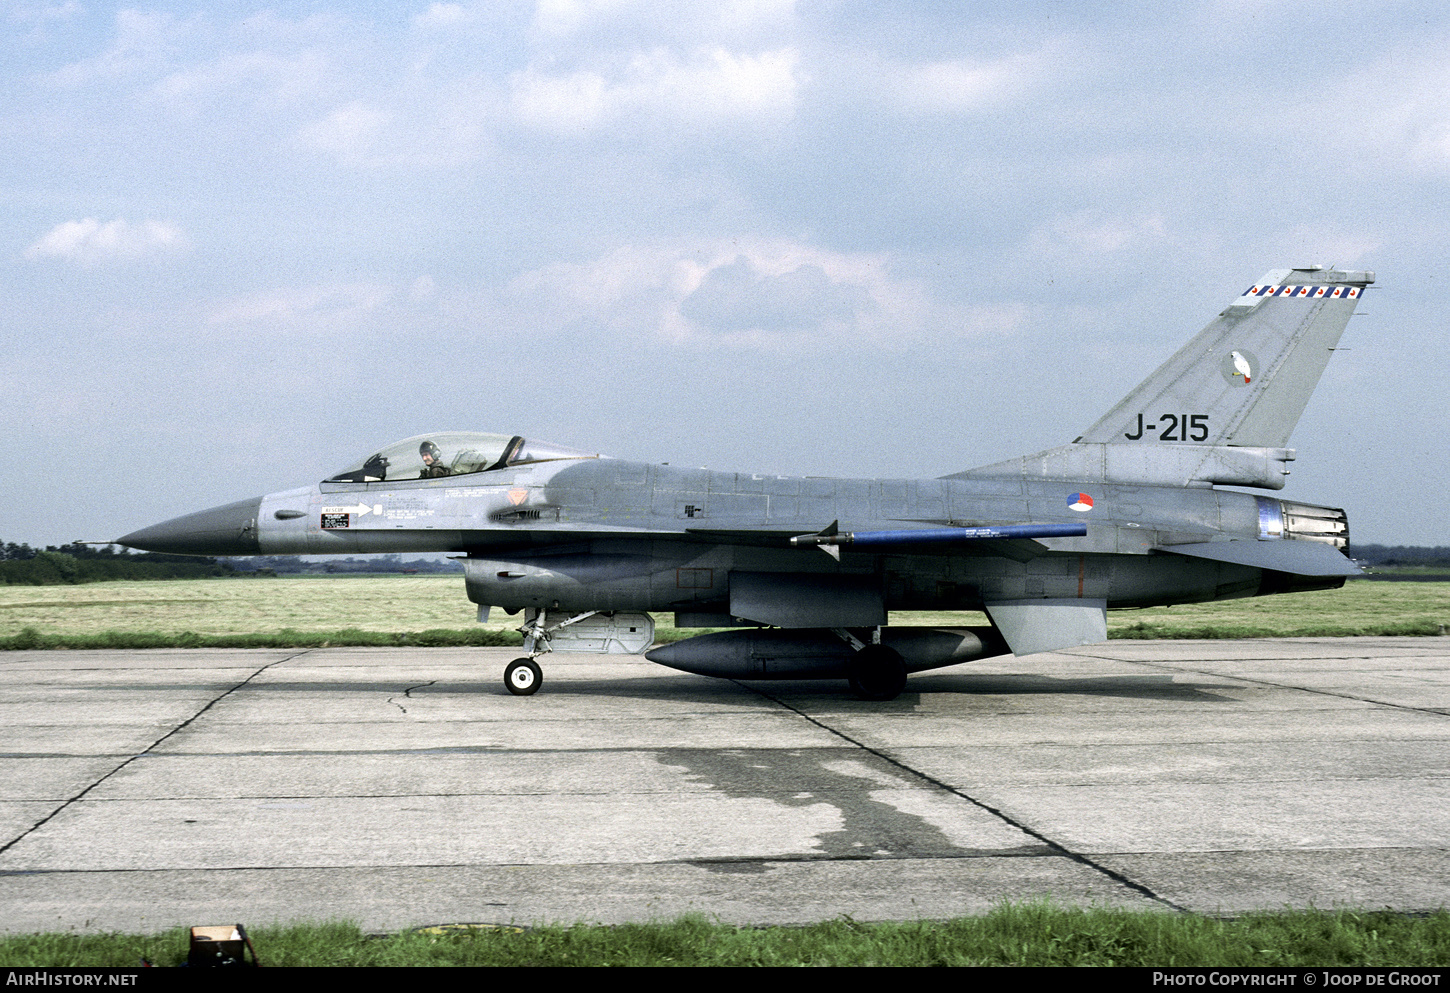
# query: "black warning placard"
{"points": [[331, 522]]}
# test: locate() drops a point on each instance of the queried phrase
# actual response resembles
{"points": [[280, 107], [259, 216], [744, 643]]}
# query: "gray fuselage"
{"points": [[607, 534]]}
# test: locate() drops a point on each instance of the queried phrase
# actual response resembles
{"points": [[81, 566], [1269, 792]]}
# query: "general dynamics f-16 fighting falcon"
{"points": [[1130, 514]]}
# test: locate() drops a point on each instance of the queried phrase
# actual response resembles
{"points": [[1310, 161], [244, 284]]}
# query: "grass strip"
{"points": [[410, 610], [1149, 630], [33, 638], [1035, 934]]}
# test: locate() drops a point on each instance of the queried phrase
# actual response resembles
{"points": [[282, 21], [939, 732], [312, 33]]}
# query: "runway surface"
{"points": [[141, 790]]}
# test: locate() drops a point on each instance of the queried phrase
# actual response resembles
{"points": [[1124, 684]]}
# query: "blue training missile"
{"points": [[830, 539]]}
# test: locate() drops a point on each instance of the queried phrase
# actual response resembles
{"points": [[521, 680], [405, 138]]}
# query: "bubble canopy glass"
{"points": [[451, 453]]}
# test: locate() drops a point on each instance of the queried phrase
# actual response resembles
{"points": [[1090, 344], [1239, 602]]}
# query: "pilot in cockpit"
{"points": [[432, 461]]}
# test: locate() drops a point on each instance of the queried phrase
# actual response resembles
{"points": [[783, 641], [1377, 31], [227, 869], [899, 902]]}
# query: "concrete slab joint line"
{"points": [[1212, 777], [1055, 846], [146, 751], [1287, 685]]}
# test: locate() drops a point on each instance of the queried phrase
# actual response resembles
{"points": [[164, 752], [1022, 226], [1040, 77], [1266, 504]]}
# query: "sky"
{"points": [[243, 245]]}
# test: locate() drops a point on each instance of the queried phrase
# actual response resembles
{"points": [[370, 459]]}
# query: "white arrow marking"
{"points": [[359, 510]]}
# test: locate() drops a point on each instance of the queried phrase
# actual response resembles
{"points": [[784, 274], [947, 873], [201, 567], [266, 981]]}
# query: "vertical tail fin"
{"points": [[1223, 407], [1245, 379]]}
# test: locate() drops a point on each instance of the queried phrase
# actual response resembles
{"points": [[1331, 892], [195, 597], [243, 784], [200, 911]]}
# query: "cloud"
{"points": [[1325, 243], [677, 18], [442, 15], [322, 309], [1409, 89], [739, 297], [709, 85], [263, 77], [37, 15], [966, 85], [1092, 233], [558, 17], [351, 133], [25, 13], [144, 42], [430, 130], [89, 241], [764, 294]]}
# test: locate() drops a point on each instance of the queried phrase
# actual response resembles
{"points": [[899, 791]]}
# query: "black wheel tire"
{"points": [[523, 677], [878, 673]]}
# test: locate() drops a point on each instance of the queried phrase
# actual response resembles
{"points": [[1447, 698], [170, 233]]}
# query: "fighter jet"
{"points": [[801, 574]]}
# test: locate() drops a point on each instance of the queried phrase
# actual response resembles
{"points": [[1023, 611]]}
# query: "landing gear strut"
{"points": [[523, 677]]}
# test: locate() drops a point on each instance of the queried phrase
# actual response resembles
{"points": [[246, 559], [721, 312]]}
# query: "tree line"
{"points": [[1402, 554], [21, 565]]}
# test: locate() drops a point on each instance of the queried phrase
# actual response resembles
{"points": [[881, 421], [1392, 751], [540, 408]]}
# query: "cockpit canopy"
{"points": [[451, 453]]}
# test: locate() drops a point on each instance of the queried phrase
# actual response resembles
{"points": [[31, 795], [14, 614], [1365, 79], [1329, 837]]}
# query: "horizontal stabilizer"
{"points": [[1151, 465], [1300, 558], [1032, 626]]}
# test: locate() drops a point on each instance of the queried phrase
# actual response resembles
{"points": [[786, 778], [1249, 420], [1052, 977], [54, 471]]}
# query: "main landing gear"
{"points": [[875, 672], [878, 673]]}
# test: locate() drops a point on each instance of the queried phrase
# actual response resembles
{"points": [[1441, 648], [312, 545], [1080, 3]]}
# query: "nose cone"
{"points": [[228, 530]]}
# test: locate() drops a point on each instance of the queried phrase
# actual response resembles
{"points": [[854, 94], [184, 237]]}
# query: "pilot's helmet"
{"points": [[430, 449]]}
